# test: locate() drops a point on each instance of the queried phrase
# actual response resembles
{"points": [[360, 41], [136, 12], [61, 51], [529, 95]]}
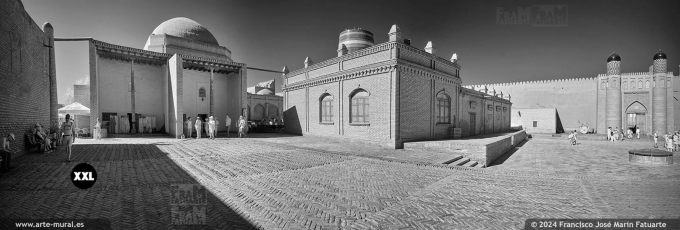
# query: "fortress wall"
{"points": [[574, 99]]}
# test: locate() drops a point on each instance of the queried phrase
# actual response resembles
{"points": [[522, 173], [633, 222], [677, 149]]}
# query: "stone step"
{"points": [[470, 164], [452, 160], [462, 161], [479, 166]]}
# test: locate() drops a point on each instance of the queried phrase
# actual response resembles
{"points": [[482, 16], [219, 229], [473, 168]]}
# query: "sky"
{"points": [[491, 45]]}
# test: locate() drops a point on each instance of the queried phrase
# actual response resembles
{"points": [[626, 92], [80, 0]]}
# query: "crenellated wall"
{"points": [[575, 99]]}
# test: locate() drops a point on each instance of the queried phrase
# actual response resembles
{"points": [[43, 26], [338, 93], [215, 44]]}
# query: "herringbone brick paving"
{"points": [[307, 183]]}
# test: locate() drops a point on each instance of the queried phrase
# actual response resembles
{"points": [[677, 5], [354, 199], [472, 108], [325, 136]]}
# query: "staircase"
{"points": [[459, 160]]}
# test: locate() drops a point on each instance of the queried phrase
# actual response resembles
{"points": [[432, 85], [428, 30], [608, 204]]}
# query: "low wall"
{"points": [[498, 146], [485, 151]]}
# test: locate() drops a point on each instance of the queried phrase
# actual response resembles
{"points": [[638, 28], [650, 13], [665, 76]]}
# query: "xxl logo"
{"points": [[83, 176]]}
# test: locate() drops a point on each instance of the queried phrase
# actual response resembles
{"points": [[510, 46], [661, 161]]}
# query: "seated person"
{"points": [[42, 137], [6, 152]]}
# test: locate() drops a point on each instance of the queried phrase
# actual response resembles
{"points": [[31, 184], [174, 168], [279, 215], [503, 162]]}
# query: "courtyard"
{"points": [[290, 182]]}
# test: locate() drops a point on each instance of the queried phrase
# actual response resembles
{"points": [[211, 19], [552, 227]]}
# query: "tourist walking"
{"points": [[241, 127], [572, 137], [609, 133], [6, 153], [228, 124], [68, 135], [637, 132], [211, 127], [98, 130], [198, 125], [656, 140]]}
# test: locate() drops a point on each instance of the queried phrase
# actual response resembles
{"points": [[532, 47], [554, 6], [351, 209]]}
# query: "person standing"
{"points": [[98, 130], [676, 141], [189, 128], [69, 137], [198, 125], [241, 127], [228, 124], [211, 127], [6, 152], [637, 132], [656, 140]]}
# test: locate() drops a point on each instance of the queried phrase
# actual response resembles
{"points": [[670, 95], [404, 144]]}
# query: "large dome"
{"points": [[185, 28]]}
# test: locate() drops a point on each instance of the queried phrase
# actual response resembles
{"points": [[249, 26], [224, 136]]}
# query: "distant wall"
{"points": [[81, 94], [24, 71], [544, 119], [574, 99]]}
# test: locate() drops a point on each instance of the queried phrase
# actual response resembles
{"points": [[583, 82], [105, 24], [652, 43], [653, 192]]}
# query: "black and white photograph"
{"points": [[377, 114]]}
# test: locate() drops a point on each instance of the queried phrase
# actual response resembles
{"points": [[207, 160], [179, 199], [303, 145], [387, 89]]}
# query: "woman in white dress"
{"points": [[198, 125], [241, 127], [189, 128], [98, 130], [211, 127]]}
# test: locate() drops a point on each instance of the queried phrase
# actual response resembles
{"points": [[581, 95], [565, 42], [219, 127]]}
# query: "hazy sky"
{"points": [[271, 34]]}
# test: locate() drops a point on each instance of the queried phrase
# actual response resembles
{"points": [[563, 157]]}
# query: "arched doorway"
{"points": [[636, 115]]}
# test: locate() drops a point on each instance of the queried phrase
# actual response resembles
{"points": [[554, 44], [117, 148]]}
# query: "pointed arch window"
{"points": [[443, 108], [359, 107]]}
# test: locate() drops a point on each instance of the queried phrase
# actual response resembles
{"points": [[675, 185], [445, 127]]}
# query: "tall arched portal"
{"points": [[636, 115]]}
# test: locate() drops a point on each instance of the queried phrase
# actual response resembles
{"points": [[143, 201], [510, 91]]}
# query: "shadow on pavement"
{"points": [[138, 186], [508, 154]]}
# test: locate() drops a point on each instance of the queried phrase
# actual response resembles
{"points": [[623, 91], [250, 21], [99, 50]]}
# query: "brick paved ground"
{"points": [[315, 183]]}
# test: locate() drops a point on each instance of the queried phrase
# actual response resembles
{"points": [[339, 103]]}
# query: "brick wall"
{"points": [[545, 120], [574, 99], [24, 69], [81, 94]]}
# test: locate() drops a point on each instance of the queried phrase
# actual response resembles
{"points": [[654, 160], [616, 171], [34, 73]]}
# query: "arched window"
{"points": [[640, 84], [358, 113], [258, 112], [625, 84], [647, 84], [273, 111], [326, 108], [201, 93], [443, 108]]}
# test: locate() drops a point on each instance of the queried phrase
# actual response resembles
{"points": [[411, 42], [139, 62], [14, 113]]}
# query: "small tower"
{"points": [[285, 70], [355, 39], [308, 62], [49, 43], [394, 34], [342, 50], [454, 58], [429, 48], [613, 102], [614, 64], [659, 93]]}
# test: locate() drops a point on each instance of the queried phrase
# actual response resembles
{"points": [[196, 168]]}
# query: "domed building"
{"points": [[388, 93], [181, 72], [263, 103]]}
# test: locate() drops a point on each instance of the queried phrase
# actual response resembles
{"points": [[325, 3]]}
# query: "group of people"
{"points": [[672, 141], [199, 125], [617, 134]]}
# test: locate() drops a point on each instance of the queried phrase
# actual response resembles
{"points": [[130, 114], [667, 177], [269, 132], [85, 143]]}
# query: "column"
{"points": [[212, 104], [176, 108], [132, 95], [54, 117]]}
